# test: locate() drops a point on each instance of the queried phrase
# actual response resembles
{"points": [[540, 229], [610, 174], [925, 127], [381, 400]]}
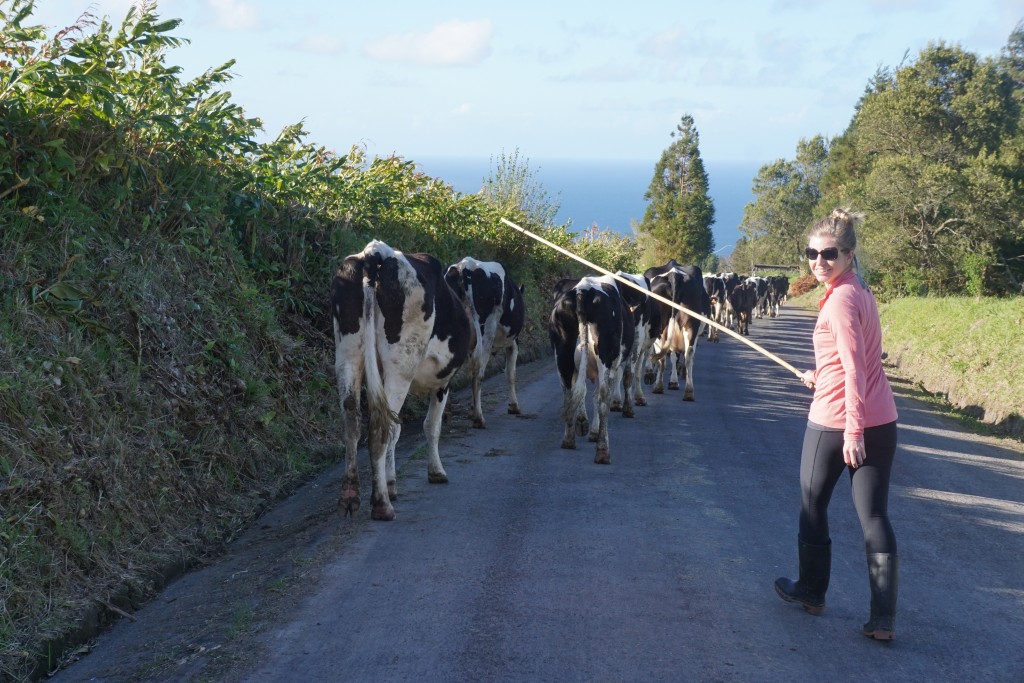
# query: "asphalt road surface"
{"points": [[536, 564]]}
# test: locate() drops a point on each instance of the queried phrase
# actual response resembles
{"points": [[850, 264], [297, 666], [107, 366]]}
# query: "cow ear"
{"points": [[453, 277]]}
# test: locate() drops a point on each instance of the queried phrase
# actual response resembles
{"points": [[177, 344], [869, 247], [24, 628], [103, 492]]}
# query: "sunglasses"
{"points": [[829, 254]]}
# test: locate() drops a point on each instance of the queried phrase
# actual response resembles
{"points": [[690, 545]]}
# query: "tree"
{"points": [[926, 157], [786, 194], [678, 219]]}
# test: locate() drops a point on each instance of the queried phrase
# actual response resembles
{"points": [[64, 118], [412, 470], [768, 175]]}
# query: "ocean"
{"points": [[610, 193]]}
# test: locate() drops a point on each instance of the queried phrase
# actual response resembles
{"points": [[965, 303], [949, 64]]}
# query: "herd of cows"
{"points": [[403, 323]]}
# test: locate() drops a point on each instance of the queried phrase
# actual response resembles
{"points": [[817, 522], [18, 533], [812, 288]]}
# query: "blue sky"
{"points": [[559, 80]]}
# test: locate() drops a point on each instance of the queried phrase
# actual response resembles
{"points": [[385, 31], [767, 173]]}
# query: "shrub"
{"points": [[802, 285]]}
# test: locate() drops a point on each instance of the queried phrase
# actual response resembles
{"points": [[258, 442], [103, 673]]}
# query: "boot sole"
{"points": [[815, 610], [880, 635]]}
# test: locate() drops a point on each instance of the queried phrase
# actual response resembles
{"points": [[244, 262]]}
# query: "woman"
{"points": [[851, 426]]}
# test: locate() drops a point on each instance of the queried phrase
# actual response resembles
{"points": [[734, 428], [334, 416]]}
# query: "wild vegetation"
{"points": [[165, 352]]}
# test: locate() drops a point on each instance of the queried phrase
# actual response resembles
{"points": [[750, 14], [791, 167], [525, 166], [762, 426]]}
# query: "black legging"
{"points": [[821, 464]]}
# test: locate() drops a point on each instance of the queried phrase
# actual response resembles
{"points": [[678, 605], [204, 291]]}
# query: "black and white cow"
{"points": [[399, 327], [715, 286], [647, 322], [778, 291], [743, 300], [498, 311], [591, 331], [683, 285], [761, 294], [731, 280]]}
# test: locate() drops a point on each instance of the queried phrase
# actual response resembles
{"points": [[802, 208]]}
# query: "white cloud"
{"points": [[450, 43], [667, 44], [463, 108], [609, 72], [321, 43], [235, 15]]}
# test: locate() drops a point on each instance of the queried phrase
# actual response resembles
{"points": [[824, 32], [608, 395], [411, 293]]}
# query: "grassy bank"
{"points": [[969, 351]]}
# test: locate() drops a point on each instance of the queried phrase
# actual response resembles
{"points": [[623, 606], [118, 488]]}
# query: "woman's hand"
{"points": [[853, 452], [808, 379]]}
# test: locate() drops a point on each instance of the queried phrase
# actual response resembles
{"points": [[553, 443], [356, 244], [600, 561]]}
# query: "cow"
{"points": [[761, 294], [591, 331], [497, 311], [683, 285], [743, 300], [778, 290], [647, 323], [399, 327], [731, 280], [715, 286]]}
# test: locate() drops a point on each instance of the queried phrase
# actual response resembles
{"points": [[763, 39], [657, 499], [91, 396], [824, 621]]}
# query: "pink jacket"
{"points": [[851, 391]]}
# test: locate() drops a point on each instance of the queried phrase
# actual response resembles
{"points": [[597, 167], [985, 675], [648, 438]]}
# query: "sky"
{"points": [[571, 79]]}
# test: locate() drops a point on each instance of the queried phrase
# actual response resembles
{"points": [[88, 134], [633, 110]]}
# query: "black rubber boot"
{"points": [[815, 570], [883, 571]]}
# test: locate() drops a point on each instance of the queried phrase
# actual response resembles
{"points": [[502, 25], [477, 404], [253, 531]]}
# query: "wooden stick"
{"points": [[660, 298]]}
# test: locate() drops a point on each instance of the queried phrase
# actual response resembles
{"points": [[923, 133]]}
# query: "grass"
{"points": [[966, 350]]}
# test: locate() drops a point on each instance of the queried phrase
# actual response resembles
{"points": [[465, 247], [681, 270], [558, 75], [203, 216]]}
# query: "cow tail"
{"points": [[380, 413]]}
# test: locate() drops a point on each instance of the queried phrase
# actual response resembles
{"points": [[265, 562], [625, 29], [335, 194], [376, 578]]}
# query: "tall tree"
{"points": [[786, 194], [926, 158], [678, 219]]}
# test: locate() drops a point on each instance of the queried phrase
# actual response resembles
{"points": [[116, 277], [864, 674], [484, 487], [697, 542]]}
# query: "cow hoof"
{"points": [[640, 401], [628, 412], [615, 407], [568, 445], [674, 386], [479, 423], [513, 409], [658, 390], [582, 426], [348, 506], [688, 396], [603, 456], [437, 477], [648, 378], [383, 512]]}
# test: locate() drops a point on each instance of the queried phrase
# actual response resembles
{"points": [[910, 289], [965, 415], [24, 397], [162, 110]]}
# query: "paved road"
{"points": [[535, 564]]}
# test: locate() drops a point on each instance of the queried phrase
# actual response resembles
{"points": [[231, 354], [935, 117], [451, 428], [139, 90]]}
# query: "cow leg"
{"points": [[570, 417], [380, 444], [626, 370], [595, 426], [659, 376], [382, 449], [477, 370], [673, 382], [432, 430], [349, 381], [616, 398], [640, 371], [688, 391], [602, 455], [389, 466], [511, 356]]}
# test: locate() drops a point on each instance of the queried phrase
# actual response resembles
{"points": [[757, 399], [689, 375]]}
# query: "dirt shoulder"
{"points": [[207, 620]]}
